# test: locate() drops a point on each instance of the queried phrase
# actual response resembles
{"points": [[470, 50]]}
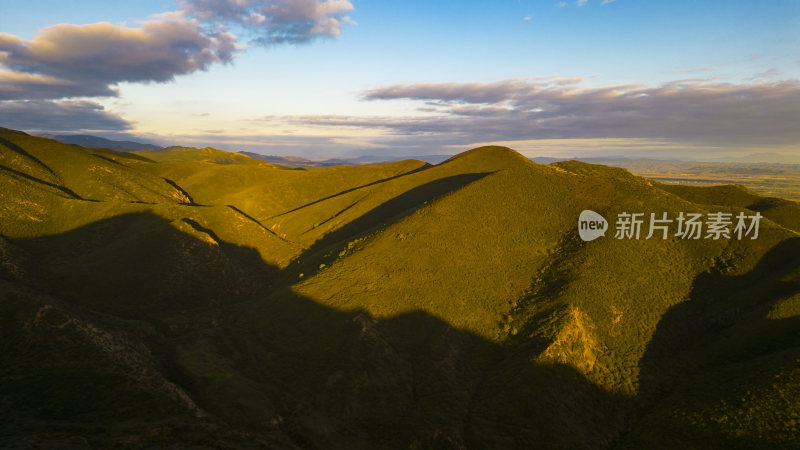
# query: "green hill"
{"points": [[199, 298], [207, 154]]}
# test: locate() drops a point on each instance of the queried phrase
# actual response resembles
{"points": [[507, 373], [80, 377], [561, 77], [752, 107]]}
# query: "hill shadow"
{"points": [[347, 191], [65, 190], [265, 364], [182, 191], [721, 334], [257, 222], [275, 369], [141, 265], [24, 153], [327, 249], [109, 159]]}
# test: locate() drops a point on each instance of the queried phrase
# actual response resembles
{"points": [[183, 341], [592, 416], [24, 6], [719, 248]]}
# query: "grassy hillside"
{"points": [[215, 300], [207, 154]]}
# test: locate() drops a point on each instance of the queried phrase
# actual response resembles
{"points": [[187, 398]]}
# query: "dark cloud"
{"points": [[25, 86], [274, 21], [758, 114], [60, 117]]}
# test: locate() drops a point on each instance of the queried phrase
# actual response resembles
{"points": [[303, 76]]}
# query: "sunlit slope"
{"points": [[266, 191], [496, 254], [390, 306], [514, 224], [49, 187], [76, 172], [784, 212], [207, 154]]}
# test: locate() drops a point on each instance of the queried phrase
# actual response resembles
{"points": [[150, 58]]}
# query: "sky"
{"points": [[336, 78]]}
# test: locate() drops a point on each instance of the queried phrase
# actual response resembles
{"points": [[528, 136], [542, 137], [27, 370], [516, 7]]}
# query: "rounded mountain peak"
{"points": [[491, 155]]}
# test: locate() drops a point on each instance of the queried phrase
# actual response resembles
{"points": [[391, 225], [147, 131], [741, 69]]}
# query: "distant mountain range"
{"points": [[354, 161], [88, 141]]}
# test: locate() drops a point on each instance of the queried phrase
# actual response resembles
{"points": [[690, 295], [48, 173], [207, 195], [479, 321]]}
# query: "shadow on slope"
{"points": [[280, 370], [277, 369], [347, 191], [91, 337], [721, 346], [24, 153], [64, 190], [139, 264], [328, 248]]}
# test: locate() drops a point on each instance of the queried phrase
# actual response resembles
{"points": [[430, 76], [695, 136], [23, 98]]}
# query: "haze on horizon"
{"points": [[324, 79]]}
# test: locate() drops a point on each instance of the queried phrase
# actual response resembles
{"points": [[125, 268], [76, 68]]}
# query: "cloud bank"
{"points": [[692, 111], [87, 60], [65, 60], [38, 77], [60, 117]]}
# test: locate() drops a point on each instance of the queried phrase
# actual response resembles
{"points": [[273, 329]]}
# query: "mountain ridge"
{"points": [[89, 141], [453, 304]]}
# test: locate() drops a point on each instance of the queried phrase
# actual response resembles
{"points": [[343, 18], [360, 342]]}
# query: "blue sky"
{"points": [[334, 78]]}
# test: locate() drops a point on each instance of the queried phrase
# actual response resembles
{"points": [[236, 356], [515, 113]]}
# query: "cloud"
{"points": [[691, 111], [560, 4], [692, 70], [456, 92], [22, 86], [580, 2], [104, 53], [769, 73], [60, 117], [70, 61], [275, 21]]}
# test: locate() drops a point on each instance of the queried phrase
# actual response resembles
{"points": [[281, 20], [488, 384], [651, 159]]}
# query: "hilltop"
{"points": [[186, 296], [10, 131]]}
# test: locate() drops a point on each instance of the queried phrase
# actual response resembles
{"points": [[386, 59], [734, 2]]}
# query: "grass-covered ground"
{"points": [[200, 298]]}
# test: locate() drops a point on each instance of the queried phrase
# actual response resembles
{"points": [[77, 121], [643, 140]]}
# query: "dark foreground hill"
{"points": [[206, 302]]}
